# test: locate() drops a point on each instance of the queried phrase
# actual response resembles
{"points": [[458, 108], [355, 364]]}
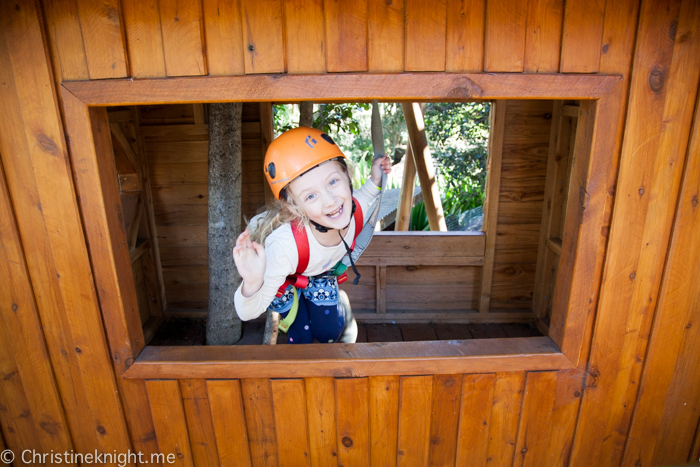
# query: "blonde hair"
{"points": [[285, 210]]}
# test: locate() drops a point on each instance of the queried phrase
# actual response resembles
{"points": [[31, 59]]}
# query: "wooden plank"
{"points": [[567, 400], [493, 182], [505, 413], [169, 421], [263, 40], [385, 36], [346, 35], [47, 154], [400, 244], [506, 27], [475, 419], [446, 332], [543, 37], [304, 36], [352, 411], [175, 132], [408, 182], [582, 36], [229, 422], [465, 35], [424, 165], [380, 299], [199, 421], [103, 38], [291, 424], [267, 134], [415, 396], [66, 40], [223, 33], [138, 416], [657, 112], [384, 419], [411, 332], [373, 359], [426, 35], [535, 418], [144, 38], [260, 420], [444, 419], [320, 406], [181, 25]]}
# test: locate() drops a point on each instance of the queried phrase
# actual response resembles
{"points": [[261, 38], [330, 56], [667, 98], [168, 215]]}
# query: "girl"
{"points": [[313, 222]]}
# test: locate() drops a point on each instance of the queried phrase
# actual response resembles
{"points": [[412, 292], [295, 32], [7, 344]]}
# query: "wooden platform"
{"points": [[192, 331]]}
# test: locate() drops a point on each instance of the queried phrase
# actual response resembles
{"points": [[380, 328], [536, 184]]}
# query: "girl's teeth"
{"points": [[335, 213]]}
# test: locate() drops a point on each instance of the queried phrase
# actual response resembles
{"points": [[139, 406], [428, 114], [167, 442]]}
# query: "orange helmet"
{"points": [[294, 152]]}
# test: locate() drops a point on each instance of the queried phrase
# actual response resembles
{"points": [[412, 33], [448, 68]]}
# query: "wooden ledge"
{"points": [[349, 360]]}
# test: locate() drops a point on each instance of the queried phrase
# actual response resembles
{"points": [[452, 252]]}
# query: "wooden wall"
{"points": [[633, 400]]}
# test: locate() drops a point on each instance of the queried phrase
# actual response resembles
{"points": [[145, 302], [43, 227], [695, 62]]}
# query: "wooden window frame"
{"points": [[578, 282]]}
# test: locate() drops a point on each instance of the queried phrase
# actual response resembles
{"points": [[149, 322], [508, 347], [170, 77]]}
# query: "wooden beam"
{"points": [[493, 185], [343, 360], [403, 211], [381, 289], [120, 137], [424, 165]]}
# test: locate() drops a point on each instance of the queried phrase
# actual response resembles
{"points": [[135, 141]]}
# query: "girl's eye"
{"points": [[334, 181], [310, 197]]}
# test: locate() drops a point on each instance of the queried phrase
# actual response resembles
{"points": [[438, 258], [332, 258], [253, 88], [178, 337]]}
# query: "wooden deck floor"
{"points": [[191, 331]]}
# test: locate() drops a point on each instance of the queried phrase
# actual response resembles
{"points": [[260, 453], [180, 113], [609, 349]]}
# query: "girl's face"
{"points": [[324, 194]]}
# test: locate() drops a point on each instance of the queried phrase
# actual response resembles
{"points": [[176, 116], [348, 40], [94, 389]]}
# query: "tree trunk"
{"points": [[225, 148], [306, 113]]}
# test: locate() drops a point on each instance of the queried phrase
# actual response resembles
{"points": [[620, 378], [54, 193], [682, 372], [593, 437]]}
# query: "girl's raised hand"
{"points": [[250, 261], [379, 165]]}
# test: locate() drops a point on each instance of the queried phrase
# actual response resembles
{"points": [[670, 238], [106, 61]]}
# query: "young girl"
{"points": [[313, 221]]}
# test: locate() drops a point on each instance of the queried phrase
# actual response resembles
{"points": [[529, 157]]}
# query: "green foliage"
{"points": [[340, 116], [283, 118], [419, 218]]}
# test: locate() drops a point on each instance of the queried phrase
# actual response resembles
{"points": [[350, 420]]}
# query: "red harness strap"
{"points": [[297, 279]]}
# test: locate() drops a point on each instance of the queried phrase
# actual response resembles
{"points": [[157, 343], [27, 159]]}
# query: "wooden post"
{"points": [[267, 132], [493, 185], [306, 113], [225, 153], [403, 211], [424, 165], [272, 324]]}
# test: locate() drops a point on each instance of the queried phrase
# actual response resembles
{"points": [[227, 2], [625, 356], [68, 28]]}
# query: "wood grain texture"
{"points": [[384, 419], [304, 36], [263, 38], [320, 406], [582, 36], [352, 412], [543, 37], [183, 47], [346, 35], [66, 40], [505, 414], [444, 419], [535, 418], [223, 33], [137, 411], [169, 421], [260, 421], [426, 34], [567, 399], [475, 419], [103, 38], [199, 421], [144, 38], [385, 36], [226, 404], [465, 35], [506, 27], [291, 424], [415, 397]]}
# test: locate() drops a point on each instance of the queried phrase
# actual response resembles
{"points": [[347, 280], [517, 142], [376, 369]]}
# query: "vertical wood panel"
{"points": [[104, 44], [291, 423], [506, 22], [415, 396], [567, 399], [507, 402], [582, 36], [543, 37], [465, 35], [224, 37], [180, 21], [260, 421], [263, 42], [304, 34], [199, 422], [444, 419], [169, 420], [226, 404], [138, 416], [475, 419], [320, 406], [384, 419], [535, 418], [66, 39], [385, 36], [638, 234], [352, 412], [346, 35], [144, 38], [426, 35]]}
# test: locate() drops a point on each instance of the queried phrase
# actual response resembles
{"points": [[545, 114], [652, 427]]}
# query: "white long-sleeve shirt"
{"points": [[283, 257]]}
